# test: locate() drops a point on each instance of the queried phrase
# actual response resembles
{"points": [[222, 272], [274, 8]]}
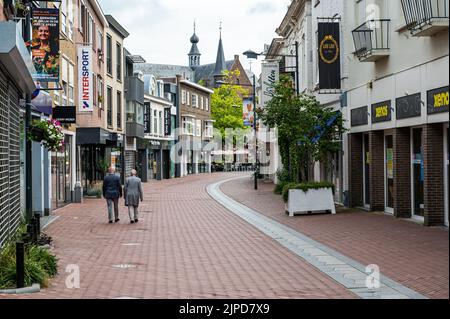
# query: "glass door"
{"points": [[417, 172], [447, 172], [389, 174]]}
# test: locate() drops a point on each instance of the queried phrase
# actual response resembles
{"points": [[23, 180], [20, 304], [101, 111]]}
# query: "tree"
{"points": [[226, 103], [307, 131]]}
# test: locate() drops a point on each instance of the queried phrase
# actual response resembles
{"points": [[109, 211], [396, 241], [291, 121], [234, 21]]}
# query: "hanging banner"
{"points": [[45, 44], [270, 74], [85, 78], [329, 56], [167, 122], [248, 112]]}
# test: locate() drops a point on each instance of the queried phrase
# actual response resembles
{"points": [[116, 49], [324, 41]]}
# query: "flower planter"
{"points": [[37, 134], [314, 200]]}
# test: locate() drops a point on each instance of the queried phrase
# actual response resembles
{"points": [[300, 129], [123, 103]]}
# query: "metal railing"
{"points": [[420, 13], [371, 36]]}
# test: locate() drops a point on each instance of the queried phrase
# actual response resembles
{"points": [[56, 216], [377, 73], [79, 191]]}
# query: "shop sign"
{"points": [[167, 122], [438, 100], [65, 114], [381, 112], [85, 79], [408, 106], [359, 116]]}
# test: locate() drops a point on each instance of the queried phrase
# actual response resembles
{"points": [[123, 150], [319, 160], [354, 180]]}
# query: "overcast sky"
{"points": [[160, 29]]}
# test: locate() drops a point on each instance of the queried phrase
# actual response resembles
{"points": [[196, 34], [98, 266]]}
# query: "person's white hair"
{"points": [[112, 169], [133, 172]]}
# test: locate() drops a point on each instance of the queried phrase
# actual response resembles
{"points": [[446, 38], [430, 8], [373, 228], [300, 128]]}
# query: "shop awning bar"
{"points": [[426, 17], [372, 40]]}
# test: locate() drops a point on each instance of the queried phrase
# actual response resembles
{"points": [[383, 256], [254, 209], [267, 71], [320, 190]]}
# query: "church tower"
{"points": [[194, 54], [220, 62]]}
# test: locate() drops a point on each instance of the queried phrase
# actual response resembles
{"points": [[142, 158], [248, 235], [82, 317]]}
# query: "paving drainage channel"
{"points": [[346, 271]]}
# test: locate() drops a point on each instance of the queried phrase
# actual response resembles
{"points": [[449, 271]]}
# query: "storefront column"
{"points": [[38, 178], [47, 183], [355, 171], [402, 173], [433, 150], [376, 170]]}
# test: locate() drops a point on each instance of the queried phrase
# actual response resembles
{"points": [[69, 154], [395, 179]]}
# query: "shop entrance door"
{"points": [[417, 173], [446, 172], [389, 173], [366, 170]]}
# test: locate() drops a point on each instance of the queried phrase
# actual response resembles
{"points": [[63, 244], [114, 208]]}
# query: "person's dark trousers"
{"points": [[110, 203]]}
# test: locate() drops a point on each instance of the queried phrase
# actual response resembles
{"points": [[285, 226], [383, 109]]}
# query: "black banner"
{"points": [[408, 106], [65, 114], [167, 122], [329, 56], [147, 118], [437, 100], [359, 116], [381, 112]]}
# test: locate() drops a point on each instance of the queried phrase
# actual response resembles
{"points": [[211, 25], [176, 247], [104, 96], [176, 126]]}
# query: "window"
{"points": [[198, 128], [209, 129], [64, 18], [188, 99], [207, 104], [160, 119], [108, 55], [131, 115], [183, 97], [90, 30], [99, 40], [100, 92], [70, 19], [82, 17], [119, 110], [201, 102], [188, 125], [155, 122], [64, 81], [71, 84], [140, 114], [119, 61], [109, 106], [194, 100]]}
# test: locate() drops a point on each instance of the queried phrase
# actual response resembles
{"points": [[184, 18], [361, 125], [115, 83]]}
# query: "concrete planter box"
{"points": [[314, 200]]}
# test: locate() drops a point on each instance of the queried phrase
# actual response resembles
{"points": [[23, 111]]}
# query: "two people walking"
{"points": [[132, 191]]}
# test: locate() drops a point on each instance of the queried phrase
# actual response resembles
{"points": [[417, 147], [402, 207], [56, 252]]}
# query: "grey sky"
{"points": [[160, 29]]}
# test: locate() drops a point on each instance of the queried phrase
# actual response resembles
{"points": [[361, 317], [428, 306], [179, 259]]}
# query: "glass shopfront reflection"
{"points": [[62, 175]]}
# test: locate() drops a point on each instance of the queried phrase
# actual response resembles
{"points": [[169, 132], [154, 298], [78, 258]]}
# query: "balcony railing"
{"points": [[372, 40], [426, 17]]}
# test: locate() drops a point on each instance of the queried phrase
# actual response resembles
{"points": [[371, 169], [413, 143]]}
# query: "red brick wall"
{"points": [[376, 170], [355, 169], [433, 148], [402, 172]]}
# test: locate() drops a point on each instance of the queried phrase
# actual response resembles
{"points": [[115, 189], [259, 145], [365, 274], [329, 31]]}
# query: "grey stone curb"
{"points": [[327, 260], [27, 290]]}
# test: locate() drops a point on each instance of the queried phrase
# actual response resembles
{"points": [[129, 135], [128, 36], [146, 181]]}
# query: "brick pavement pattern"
{"points": [[409, 253], [185, 246]]}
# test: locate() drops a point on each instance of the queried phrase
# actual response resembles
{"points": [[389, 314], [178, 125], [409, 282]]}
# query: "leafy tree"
{"points": [[307, 131], [226, 103]]}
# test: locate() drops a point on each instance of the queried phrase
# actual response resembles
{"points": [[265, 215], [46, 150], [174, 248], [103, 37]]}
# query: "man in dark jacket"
{"points": [[112, 190]]}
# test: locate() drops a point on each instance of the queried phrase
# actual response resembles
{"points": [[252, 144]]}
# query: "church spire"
{"points": [[220, 60], [194, 54]]}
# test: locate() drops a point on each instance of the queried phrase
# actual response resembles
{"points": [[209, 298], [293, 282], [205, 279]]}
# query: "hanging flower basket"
{"points": [[49, 133]]}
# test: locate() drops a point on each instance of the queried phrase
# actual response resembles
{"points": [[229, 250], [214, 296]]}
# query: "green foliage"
{"points": [[227, 104], [305, 187], [297, 119], [94, 192], [40, 266]]}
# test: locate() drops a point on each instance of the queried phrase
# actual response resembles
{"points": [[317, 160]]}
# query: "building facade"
{"points": [[397, 109]]}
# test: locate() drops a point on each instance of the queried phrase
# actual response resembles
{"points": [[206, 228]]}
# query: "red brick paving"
{"points": [[409, 253], [189, 247]]}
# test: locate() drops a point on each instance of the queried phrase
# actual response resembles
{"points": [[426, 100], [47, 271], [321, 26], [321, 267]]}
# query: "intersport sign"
{"points": [[85, 79]]}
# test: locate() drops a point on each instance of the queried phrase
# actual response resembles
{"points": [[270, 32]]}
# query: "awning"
{"points": [[15, 57]]}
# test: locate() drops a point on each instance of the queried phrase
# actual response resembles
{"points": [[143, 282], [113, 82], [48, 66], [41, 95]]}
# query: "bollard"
{"points": [[38, 224], [20, 264], [33, 231]]}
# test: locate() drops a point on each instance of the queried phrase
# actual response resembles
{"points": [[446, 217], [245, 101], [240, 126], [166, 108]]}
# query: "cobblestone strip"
{"points": [[342, 269]]}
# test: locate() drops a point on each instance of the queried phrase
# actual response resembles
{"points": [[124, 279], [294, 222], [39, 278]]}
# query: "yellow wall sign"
{"points": [[438, 100], [381, 112]]}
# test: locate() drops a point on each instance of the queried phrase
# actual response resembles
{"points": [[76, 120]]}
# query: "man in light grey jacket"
{"points": [[133, 193]]}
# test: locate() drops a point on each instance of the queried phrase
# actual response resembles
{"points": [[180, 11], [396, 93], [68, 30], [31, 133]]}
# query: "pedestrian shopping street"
{"points": [[188, 245]]}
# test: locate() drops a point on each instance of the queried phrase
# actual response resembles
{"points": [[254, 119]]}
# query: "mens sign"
{"points": [[85, 78]]}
